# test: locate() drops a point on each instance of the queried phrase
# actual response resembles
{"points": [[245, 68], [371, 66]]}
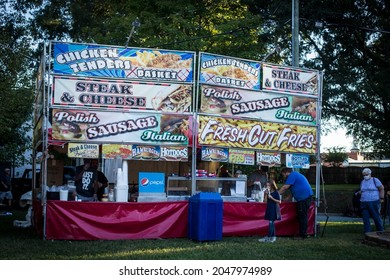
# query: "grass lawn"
{"points": [[341, 241]]}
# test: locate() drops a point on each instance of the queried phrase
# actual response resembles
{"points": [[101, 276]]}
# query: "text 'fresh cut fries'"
{"points": [[256, 135]]}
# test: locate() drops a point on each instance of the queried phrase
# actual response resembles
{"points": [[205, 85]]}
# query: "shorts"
{"points": [[6, 195]]}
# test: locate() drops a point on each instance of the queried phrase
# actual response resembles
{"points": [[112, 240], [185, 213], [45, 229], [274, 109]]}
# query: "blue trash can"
{"points": [[205, 214]]}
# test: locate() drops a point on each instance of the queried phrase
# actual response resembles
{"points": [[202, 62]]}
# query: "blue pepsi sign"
{"points": [[151, 182]]}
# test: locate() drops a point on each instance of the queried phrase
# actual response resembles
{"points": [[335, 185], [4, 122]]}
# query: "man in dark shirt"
{"points": [[86, 182], [102, 179]]}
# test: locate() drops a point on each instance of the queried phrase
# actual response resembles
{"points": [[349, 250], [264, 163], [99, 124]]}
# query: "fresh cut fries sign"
{"points": [[252, 134]]}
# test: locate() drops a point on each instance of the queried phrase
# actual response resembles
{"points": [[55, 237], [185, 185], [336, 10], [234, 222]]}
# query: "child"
{"points": [[272, 213]]}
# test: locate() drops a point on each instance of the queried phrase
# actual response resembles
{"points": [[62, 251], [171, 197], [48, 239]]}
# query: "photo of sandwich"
{"points": [[177, 101]]}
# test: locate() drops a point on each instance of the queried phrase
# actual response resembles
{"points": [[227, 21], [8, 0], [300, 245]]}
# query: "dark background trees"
{"points": [[347, 39], [16, 85]]}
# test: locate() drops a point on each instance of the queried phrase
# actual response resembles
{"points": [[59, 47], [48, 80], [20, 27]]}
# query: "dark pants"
{"points": [[302, 210]]}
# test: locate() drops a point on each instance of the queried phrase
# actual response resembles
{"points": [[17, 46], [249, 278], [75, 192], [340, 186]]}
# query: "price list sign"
{"points": [[238, 156]]}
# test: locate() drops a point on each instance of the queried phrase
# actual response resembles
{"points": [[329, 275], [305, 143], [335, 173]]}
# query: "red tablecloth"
{"points": [[68, 220]]}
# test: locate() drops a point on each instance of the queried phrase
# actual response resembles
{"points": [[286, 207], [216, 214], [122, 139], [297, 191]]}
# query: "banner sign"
{"points": [[268, 159], [119, 94], [214, 154], [297, 161], [151, 182], [252, 134], [290, 80], [120, 127], [141, 152], [113, 151], [173, 153], [78, 150], [229, 71], [238, 156], [274, 107], [146, 152], [128, 63]]}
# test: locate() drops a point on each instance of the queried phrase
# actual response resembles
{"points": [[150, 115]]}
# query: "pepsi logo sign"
{"points": [[144, 181]]}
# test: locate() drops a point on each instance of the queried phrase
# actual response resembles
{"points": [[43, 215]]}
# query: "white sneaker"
{"points": [[272, 239], [264, 239]]}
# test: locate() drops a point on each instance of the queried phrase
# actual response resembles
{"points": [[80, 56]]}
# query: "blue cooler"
{"points": [[205, 214]]}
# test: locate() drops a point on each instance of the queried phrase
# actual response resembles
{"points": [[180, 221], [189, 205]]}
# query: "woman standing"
{"points": [[372, 195], [272, 213]]}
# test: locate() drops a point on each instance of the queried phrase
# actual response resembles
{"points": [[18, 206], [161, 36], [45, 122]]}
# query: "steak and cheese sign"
{"points": [[119, 95], [290, 80], [252, 134]]}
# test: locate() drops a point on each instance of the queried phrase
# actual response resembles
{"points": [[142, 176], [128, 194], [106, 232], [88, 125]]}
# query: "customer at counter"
{"points": [[260, 175], [86, 181], [302, 193]]}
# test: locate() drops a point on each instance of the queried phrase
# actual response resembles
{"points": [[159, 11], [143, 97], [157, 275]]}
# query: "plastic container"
{"points": [[205, 217], [121, 193], [64, 195], [111, 195]]}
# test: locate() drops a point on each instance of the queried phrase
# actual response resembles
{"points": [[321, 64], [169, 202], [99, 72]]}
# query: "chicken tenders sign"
{"points": [[131, 63], [251, 134]]}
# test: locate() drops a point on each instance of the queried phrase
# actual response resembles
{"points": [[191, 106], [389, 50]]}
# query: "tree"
{"points": [[336, 156], [225, 27], [352, 47], [15, 85]]}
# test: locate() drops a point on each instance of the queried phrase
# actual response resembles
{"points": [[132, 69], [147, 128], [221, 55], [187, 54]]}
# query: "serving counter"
{"points": [[231, 189], [70, 220]]}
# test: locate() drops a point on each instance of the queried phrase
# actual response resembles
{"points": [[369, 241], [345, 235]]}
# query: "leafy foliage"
{"points": [[15, 85], [336, 156], [351, 47]]}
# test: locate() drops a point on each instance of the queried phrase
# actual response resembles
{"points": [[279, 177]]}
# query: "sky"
{"points": [[336, 138]]}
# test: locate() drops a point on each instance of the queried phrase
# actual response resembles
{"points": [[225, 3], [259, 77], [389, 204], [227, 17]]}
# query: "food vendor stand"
{"points": [[137, 110]]}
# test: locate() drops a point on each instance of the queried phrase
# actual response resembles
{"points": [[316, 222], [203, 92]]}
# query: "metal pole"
{"points": [[135, 25], [295, 33], [318, 152]]}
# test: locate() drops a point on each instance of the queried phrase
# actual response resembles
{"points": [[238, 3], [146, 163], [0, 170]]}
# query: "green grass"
{"points": [[341, 241]]}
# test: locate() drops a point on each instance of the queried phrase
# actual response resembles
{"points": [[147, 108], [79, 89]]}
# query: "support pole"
{"points": [[295, 33]]}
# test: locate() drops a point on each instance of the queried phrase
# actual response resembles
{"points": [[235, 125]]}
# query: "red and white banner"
{"points": [[290, 80], [119, 95]]}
